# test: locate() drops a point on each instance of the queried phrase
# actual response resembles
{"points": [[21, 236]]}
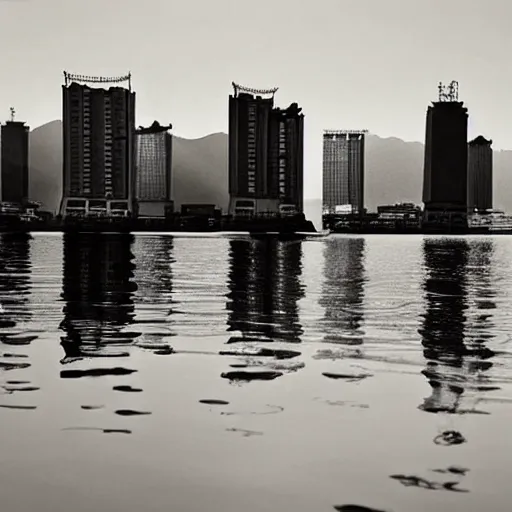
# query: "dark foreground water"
{"points": [[380, 366]]}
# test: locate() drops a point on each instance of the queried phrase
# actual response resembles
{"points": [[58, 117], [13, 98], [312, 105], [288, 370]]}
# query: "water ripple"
{"points": [[408, 337]]}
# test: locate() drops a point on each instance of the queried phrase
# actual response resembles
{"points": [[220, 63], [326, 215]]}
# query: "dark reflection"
{"points": [[264, 284], [343, 290], [95, 372], [248, 376], [449, 438], [453, 470], [103, 430], [13, 366], [347, 377], [15, 270], [153, 274], [154, 269], [355, 508], [131, 412], [19, 407], [98, 291], [456, 355], [127, 389], [415, 481], [481, 325], [213, 401]]}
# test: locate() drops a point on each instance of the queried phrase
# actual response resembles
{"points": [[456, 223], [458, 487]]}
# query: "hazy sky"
{"points": [[371, 64]]}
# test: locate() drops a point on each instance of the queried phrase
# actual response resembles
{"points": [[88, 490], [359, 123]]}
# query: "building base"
{"points": [[86, 207], [445, 221], [251, 206], [257, 207], [154, 209]]}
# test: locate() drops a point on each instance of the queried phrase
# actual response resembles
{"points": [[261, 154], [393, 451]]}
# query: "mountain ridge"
{"points": [[394, 170]]}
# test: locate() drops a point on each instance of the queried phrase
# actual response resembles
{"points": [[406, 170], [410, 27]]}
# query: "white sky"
{"points": [[371, 64]]}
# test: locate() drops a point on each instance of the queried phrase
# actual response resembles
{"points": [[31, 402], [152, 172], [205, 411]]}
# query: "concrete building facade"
{"points": [[153, 170], [343, 172], [99, 151], [445, 166], [480, 161], [286, 158], [265, 154], [14, 162]]}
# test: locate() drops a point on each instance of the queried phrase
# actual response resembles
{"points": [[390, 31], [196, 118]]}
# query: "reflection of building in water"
{"points": [[450, 345], [343, 290], [480, 269], [97, 290], [154, 297], [264, 284], [15, 270], [153, 272]]}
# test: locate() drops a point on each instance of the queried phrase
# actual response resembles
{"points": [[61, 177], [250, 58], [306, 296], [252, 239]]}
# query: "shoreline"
{"points": [[292, 235]]}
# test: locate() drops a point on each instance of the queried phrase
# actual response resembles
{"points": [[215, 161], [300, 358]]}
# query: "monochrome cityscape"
{"points": [[113, 170], [255, 256]]}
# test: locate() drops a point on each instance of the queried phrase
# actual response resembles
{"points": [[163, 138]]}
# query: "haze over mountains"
{"points": [[394, 171]]}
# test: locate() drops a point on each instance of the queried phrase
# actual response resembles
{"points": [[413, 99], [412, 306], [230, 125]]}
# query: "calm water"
{"points": [[383, 365]]}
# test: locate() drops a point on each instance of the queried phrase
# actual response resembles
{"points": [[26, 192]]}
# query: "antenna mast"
{"points": [[450, 92], [13, 112]]}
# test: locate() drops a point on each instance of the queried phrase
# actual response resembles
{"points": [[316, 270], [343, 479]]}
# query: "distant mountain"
{"points": [[199, 168], [45, 165], [394, 171]]}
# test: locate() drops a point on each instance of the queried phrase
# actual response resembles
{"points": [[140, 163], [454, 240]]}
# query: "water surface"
{"points": [[156, 373]]}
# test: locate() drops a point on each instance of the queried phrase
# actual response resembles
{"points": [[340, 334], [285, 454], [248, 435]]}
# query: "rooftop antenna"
{"points": [[13, 112], [450, 92]]}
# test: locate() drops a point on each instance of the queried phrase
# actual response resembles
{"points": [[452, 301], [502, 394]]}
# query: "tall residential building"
{"points": [[286, 158], [153, 170], [14, 161], [479, 174], [343, 171], [99, 149], [265, 154], [446, 155], [249, 117]]}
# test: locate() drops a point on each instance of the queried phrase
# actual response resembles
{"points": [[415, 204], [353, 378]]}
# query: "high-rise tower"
{"points": [[446, 155], [14, 161], [249, 116], [99, 149], [286, 158], [265, 154], [343, 171], [480, 174], [153, 170]]}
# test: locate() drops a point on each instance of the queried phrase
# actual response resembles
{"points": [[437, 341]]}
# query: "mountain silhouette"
{"points": [[394, 171], [45, 165], [199, 168]]}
